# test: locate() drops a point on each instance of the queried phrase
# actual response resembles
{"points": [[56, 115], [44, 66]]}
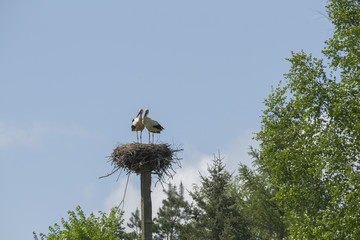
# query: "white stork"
{"points": [[151, 125], [137, 125]]}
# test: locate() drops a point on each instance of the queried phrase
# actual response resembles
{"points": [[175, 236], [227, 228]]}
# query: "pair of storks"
{"points": [[139, 123]]}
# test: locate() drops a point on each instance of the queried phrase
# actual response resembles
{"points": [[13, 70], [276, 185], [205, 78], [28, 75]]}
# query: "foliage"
{"points": [[78, 226], [173, 215], [135, 224], [217, 214], [310, 135], [343, 49], [261, 210]]}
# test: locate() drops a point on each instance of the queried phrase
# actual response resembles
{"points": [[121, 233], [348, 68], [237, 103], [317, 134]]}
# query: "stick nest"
{"points": [[137, 157]]}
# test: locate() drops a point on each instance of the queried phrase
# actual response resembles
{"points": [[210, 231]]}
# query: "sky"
{"points": [[73, 74]]}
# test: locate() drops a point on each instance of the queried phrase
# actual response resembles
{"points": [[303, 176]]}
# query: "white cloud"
{"points": [[188, 174], [38, 133], [194, 164], [237, 150], [132, 197], [10, 135]]}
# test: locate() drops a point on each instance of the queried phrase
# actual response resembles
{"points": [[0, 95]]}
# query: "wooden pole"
{"points": [[146, 209]]}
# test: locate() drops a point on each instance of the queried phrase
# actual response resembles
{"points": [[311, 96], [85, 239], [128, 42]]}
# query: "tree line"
{"points": [[305, 179], [224, 206]]}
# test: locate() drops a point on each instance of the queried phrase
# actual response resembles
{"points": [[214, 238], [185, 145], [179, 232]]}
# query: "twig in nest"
{"points": [[136, 158], [159, 159], [114, 171], [123, 199]]}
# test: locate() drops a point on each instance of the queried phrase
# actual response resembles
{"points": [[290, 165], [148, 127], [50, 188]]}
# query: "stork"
{"points": [[137, 125], [151, 125]]}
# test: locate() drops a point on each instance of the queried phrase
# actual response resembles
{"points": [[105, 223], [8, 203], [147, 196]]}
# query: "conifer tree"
{"points": [[173, 215], [135, 224], [216, 213], [261, 209]]}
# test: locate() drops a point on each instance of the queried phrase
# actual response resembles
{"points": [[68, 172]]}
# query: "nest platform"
{"points": [[137, 158]]}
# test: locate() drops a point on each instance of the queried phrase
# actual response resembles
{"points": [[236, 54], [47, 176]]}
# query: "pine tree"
{"points": [[261, 209], [217, 214], [173, 215], [135, 224]]}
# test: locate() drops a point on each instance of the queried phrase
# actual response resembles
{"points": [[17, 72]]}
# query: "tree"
{"points": [[261, 210], [173, 215], [217, 214], [135, 224], [309, 138], [103, 227]]}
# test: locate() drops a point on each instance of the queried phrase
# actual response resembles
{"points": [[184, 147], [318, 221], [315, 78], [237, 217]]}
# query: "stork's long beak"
{"points": [[139, 113]]}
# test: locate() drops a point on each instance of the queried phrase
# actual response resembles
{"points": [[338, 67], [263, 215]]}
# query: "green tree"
{"points": [[309, 138], [217, 214], [135, 224], [78, 226], [261, 210], [173, 215]]}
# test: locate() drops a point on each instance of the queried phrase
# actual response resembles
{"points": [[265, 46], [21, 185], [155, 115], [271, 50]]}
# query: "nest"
{"points": [[137, 158]]}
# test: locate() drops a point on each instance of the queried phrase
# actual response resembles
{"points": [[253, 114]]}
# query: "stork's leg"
{"points": [[140, 136], [149, 137], [137, 136]]}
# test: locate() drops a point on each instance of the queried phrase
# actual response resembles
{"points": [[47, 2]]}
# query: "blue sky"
{"points": [[74, 73]]}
